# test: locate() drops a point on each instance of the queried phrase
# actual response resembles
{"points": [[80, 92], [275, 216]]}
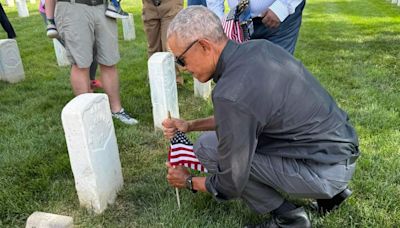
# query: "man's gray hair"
{"points": [[196, 22]]}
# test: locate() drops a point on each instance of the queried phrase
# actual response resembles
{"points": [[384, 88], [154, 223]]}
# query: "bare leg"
{"points": [[50, 5], [80, 80], [110, 81]]}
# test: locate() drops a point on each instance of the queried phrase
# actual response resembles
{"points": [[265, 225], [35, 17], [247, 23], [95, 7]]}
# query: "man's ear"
{"points": [[205, 44]]}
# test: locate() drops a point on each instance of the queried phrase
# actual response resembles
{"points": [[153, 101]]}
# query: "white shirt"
{"points": [[217, 6], [282, 8]]}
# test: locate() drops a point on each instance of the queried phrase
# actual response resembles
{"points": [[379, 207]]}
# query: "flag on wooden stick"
{"points": [[181, 153]]}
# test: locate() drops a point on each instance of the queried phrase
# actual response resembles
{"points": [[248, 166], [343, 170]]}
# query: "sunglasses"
{"points": [[180, 60]]}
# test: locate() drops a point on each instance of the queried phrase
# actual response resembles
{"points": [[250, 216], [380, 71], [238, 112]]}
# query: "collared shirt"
{"points": [[266, 102], [282, 8]]}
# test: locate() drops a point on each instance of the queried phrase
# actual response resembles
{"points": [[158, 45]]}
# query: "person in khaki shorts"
{"points": [[83, 26], [157, 14]]}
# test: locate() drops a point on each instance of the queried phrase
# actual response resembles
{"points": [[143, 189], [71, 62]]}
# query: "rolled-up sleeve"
{"points": [[237, 136], [283, 8]]}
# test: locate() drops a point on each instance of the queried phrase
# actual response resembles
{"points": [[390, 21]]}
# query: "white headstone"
{"points": [[394, 1], [11, 68], [398, 2], [128, 27], [32, 1], [202, 89], [61, 53], [48, 220], [164, 95], [93, 150], [22, 8], [10, 3]]}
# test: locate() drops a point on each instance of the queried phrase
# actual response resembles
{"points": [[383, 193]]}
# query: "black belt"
{"points": [[86, 2]]}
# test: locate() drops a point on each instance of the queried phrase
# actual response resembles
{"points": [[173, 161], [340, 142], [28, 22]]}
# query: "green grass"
{"points": [[351, 46]]}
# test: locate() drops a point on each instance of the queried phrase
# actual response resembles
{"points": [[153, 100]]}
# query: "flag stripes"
{"points": [[181, 153]]}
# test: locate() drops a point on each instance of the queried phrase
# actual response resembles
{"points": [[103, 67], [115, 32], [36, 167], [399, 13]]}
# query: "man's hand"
{"points": [[171, 126], [177, 175], [270, 19]]}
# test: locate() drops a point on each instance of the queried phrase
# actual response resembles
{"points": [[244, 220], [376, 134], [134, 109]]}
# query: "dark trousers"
{"points": [[272, 175], [285, 35], [6, 23]]}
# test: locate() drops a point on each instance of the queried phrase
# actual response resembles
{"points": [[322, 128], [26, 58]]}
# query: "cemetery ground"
{"points": [[351, 46]]}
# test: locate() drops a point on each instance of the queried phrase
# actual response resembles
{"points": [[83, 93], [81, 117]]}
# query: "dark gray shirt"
{"points": [[266, 102]]}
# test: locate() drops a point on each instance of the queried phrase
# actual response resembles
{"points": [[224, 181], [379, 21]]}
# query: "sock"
{"points": [[286, 206], [51, 21]]}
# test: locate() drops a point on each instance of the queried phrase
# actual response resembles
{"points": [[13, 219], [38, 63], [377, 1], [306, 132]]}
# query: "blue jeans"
{"points": [[197, 2], [285, 35]]}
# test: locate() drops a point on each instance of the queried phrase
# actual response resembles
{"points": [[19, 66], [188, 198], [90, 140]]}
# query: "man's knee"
{"points": [[205, 149]]}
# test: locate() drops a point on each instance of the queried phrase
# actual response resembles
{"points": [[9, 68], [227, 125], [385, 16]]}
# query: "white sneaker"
{"points": [[52, 31], [124, 117], [114, 10]]}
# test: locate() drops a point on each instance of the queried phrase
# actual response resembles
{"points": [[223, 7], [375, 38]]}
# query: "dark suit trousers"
{"points": [[6, 23]]}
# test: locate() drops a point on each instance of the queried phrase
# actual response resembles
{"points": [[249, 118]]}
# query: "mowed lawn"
{"points": [[351, 46]]}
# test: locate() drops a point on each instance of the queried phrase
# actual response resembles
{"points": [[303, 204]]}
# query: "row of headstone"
{"points": [[11, 68], [90, 135], [89, 130]]}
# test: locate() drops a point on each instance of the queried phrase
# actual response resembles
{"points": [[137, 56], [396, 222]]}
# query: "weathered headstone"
{"points": [[22, 8], [11, 68], [128, 27], [202, 89], [164, 95], [10, 3], [93, 150], [61, 53], [48, 220]]}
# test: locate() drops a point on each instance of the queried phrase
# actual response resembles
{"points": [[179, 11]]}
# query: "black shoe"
{"points": [[296, 218], [324, 206]]}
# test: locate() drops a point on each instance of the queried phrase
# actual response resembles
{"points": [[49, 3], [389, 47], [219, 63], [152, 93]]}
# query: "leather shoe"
{"points": [[296, 218], [324, 206]]}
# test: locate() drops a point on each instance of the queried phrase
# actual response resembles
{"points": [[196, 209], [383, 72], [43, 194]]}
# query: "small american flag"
{"points": [[237, 24], [181, 153]]}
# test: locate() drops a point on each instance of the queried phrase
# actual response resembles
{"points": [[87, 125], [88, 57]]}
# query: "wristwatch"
{"points": [[189, 184]]}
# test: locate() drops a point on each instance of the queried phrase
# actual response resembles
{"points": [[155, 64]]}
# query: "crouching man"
{"points": [[275, 129]]}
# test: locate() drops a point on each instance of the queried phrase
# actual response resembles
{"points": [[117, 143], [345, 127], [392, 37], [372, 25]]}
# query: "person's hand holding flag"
{"points": [[172, 125], [177, 175]]}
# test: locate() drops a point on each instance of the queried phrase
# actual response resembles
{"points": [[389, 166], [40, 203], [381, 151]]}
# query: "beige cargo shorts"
{"points": [[84, 27]]}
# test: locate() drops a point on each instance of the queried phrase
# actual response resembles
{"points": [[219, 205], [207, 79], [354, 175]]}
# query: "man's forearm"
{"points": [[206, 124]]}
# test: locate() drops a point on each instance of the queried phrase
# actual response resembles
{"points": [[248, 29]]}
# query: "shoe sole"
{"points": [[52, 34], [115, 15]]}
